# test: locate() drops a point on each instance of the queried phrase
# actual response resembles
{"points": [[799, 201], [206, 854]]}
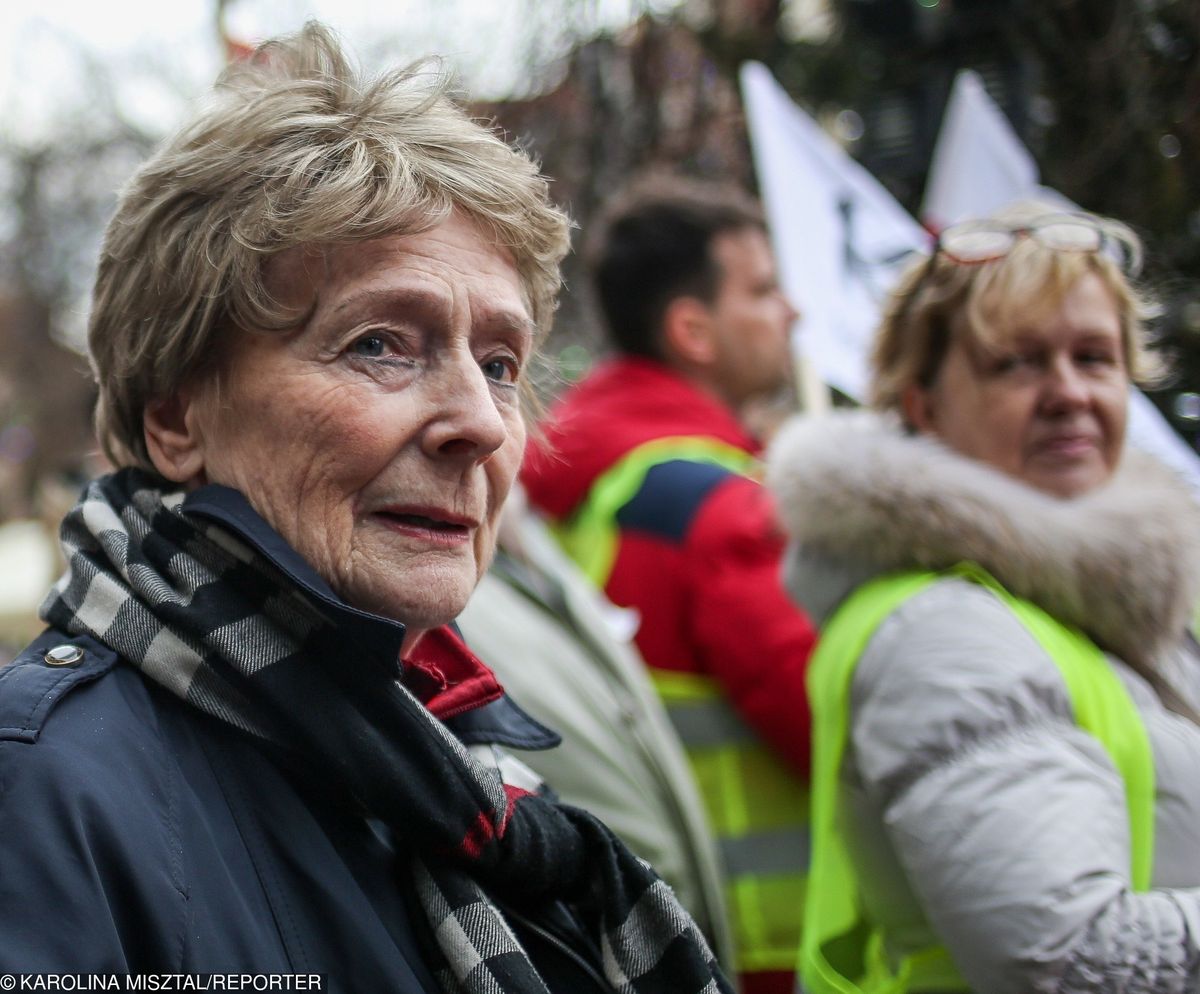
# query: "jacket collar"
{"points": [[441, 671], [861, 497]]}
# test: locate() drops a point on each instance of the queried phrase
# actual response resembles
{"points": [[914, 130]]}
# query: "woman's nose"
{"points": [[465, 420], [1066, 386]]}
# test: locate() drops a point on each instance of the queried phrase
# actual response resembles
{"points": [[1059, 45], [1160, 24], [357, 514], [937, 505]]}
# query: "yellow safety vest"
{"points": [[757, 808], [842, 952]]}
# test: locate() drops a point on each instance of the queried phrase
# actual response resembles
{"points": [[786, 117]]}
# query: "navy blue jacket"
{"points": [[138, 835]]}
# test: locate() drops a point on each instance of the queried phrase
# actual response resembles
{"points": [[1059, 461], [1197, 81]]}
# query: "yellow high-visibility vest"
{"points": [[842, 951], [758, 810], [757, 807], [589, 535]]}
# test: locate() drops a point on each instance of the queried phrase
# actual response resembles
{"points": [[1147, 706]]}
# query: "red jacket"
{"points": [[699, 548]]}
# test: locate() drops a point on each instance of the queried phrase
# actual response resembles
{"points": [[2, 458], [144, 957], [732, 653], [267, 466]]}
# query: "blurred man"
{"points": [[649, 475]]}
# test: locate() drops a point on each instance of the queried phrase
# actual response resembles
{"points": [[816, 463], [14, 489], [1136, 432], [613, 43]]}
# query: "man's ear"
{"points": [[687, 329], [173, 437], [917, 406]]}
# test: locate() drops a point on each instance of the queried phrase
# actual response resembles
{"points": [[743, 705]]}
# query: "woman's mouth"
{"points": [[434, 528], [1067, 446]]}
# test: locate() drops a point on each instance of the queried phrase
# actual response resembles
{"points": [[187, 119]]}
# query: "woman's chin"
{"points": [[420, 599], [1068, 480]]}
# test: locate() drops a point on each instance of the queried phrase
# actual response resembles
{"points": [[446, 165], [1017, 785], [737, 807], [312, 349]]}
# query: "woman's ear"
{"points": [[917, 406], [174, 439]]}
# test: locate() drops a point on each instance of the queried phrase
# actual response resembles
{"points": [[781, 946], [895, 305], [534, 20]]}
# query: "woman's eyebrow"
{"points": [[425, 301], [391, 298], [508, 323]]}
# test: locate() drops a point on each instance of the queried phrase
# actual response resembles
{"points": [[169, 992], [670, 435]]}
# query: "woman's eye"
{"points": [[500, 370], [1010, 363], [369, 346]]}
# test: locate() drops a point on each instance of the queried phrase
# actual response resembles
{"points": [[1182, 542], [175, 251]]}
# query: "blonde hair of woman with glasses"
{"points": [[1006, 690]]}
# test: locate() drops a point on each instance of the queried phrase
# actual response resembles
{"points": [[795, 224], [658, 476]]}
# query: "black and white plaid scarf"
{"points": [[215, 621]]}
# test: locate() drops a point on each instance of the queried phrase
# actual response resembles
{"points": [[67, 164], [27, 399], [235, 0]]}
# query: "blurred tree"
{"points": [[1122, 135], [653, 96], [57, 187]]}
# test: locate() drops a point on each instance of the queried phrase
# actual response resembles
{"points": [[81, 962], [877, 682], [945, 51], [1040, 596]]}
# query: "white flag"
{"points": [[840, 238], [979, 165]]}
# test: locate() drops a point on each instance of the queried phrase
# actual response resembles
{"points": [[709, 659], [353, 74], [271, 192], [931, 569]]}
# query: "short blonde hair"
{"points": [[939, 301], [296, 148]]}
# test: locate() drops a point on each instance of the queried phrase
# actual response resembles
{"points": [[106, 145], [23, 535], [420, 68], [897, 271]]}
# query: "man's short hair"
{"points": [[296, 148], [653, 244]]}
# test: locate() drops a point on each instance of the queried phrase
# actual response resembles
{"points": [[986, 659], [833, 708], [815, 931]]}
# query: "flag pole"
{"points": [[812, 395]]}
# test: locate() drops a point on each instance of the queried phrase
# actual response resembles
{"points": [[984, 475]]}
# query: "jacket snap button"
{"points": [[64, 655]]}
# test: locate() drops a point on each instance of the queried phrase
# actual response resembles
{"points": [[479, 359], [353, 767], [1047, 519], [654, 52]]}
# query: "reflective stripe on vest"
{"points": [[589, 536], [841, 953], [758, 810], [756, 807]]}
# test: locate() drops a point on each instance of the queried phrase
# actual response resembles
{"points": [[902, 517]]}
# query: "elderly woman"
{"points": [[1005, 694], [243, 744]]}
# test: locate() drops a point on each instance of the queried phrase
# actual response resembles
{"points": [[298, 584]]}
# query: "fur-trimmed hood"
{"points": [[859, 497]]}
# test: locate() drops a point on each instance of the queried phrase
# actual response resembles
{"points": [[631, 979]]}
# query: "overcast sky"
{"points": [[168, 51]]}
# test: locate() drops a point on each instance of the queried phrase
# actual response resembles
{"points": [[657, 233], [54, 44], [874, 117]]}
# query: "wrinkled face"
{"points": [[1050, 407], [752, 318], [381, 438]]}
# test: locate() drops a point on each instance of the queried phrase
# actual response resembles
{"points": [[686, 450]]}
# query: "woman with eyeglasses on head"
{"points": [[1005, 695]]}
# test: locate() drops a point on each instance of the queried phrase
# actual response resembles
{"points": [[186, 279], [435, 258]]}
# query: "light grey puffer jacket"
{"points": [[980, 815]]}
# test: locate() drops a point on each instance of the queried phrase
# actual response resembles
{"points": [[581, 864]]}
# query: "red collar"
{"points": [[446, 676]]}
